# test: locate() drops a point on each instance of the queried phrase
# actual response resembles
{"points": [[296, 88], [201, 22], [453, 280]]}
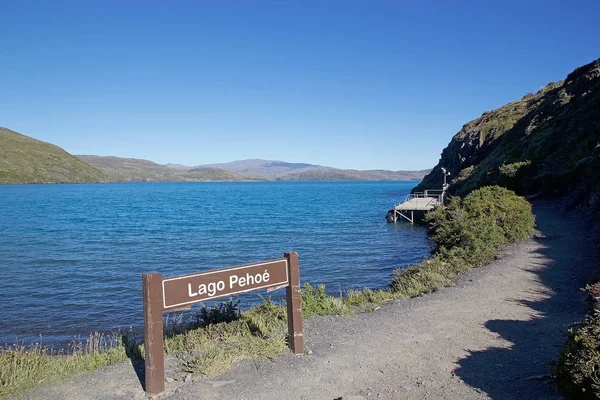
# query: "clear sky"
{"points": [[350, 84]]}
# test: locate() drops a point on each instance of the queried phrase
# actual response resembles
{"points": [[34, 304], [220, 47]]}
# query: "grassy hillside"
{"points": [[129, 169], [135, 170], [27, 160], [547, 142]]}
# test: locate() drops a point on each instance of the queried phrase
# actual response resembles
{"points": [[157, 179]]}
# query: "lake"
{"points": [[72, 255]]}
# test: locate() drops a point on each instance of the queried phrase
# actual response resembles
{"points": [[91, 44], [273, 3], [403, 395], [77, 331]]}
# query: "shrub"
{"points": [[474, 228], [511, 170], [578, 367], [466, 233], [577, 371], [222, 312]]}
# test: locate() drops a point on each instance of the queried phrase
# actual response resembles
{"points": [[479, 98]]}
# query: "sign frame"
{"points": [[221, 271], [155, 304]]}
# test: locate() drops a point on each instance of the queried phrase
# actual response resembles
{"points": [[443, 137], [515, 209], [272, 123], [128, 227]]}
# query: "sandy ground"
{"points": [[490, 336]]}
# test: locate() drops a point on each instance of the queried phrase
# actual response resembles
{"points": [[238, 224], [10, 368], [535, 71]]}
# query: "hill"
{"points": [[267, 169], [547, 142], [121, 169], [286, 171], [354, 175], [27, 160]]}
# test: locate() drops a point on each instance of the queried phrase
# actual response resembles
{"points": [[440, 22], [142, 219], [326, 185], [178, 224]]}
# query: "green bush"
{"points": [[577, 372], [474, 228], [466, 233], [510, 171], [222, 312]]}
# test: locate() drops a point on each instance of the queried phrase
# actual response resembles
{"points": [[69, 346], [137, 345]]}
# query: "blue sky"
{"points": [[350, 84]]}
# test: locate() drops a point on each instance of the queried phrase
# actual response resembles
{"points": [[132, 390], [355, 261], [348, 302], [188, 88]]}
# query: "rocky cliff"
{"points": [[547, 142]]}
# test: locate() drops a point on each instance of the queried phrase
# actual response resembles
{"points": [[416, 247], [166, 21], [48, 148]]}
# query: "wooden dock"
{"points": [[416, 202]]}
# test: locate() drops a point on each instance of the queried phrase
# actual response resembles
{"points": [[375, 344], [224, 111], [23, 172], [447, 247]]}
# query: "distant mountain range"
{"points": [[267, 169], [286, 171], [27, 160]]}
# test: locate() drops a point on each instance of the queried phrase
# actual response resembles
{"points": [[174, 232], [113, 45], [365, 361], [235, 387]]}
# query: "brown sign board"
{"points": [[188, 289], [174, 293]]}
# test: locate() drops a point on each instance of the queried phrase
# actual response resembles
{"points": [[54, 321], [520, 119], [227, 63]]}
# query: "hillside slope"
{"points": [[121, 169], [27, 160], [547, 142]]}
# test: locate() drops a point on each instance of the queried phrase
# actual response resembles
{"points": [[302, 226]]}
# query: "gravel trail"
{"points": [[490, 336]]}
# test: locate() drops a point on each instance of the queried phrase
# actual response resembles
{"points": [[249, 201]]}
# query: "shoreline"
{"points": [[514, 223], [467, 341]]}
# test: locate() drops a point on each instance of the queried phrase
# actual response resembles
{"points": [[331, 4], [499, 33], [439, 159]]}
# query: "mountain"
{"points": [[266, 169], [121, 169], [285, 171], [332, 174], [27, 160], [547, 142]]}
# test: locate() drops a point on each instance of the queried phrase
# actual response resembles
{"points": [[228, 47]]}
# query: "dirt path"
{"points": [[491, 336]]}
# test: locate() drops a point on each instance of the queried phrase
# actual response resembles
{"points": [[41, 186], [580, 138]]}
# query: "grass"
{"points": [[225, 336], [367, 297], [23, 367], [220, 336], [258, 333], [315, 301], [27, 160]]}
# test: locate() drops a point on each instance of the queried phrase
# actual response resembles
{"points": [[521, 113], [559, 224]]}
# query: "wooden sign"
{"points": [[189, 289], [171, 294]]}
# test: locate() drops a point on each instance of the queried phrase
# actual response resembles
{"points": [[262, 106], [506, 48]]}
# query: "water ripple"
{"points": [[72, 255]]}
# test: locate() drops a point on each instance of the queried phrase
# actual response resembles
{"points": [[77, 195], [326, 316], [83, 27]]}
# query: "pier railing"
{"points": [[432, 194]]}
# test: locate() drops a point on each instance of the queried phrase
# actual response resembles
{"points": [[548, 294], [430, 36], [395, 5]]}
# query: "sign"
{"points": [[171, 294], [188, 289]]}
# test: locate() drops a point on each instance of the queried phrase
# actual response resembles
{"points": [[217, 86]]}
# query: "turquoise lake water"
{"points": [[72, 255]]}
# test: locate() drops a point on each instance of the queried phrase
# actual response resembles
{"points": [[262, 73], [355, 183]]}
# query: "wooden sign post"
{"points": [[180, 292]]}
